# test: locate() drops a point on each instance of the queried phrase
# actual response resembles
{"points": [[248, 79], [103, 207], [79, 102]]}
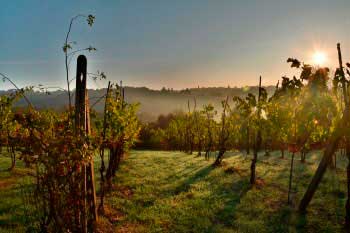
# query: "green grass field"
{"points": [[175, 192]]}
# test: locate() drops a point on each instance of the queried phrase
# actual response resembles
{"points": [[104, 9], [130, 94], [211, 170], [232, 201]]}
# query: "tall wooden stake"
{"points": [[347, 139], [102, 153], [82, 126]]}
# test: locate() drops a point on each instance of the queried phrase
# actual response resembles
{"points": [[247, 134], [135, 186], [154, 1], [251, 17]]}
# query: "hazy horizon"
{"points": [[153, 89]]}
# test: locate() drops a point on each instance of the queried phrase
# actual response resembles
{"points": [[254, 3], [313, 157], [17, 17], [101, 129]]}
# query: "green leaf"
{"points": [[90, 19], [295, 63]]}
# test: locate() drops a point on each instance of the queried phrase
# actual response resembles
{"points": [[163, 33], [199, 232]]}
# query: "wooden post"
{"points": [[347, 139], [189, 125], [82, 126], [102, 152], [345, 92], [327, 157], [121, 91]]}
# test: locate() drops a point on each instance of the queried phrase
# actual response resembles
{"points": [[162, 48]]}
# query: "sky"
{"points": [[167, 43]]}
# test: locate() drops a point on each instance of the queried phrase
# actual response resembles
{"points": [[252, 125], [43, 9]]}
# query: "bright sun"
{"points": [[319, 58]]}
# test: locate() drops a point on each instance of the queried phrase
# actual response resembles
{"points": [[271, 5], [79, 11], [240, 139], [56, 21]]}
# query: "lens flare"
{"points": [[319, 58]]}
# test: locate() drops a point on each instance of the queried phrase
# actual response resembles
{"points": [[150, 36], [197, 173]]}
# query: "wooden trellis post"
{"points": [[82, 126]]}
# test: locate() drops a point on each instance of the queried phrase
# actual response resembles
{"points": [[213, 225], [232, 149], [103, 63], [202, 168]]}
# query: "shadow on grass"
{"points": [[4, 210], [11, 216], [301, 223], [226, 214], [231, 196], [185, 185]]}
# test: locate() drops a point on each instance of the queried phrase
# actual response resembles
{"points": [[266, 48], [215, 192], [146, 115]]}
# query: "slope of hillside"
{"points": [[152, 102]]}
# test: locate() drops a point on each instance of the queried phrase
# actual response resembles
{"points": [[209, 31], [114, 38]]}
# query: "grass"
{"points": [[157, 191], [12, 218]]}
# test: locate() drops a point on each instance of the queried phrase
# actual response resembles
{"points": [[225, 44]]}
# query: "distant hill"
{"points": [[153, 102]]}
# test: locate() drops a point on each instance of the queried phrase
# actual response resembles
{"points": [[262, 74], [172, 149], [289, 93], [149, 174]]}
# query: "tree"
{"points": [[8, 126], [227, 131], [119, 131], [199, 129], [251, 109], [209, 112]]}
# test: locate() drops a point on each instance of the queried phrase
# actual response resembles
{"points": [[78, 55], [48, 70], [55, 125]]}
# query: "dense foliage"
{"points": [[117, 132], [298, 116], [47, 142]]}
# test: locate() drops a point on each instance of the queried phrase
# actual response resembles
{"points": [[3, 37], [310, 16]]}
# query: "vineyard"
{"points": [[264, 162]]}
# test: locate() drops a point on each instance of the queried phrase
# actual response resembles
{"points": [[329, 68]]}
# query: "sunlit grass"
{"points": [[175, 192]]}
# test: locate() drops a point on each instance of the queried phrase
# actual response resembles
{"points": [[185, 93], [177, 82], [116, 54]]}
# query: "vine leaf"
{"points": [[90, 19], [295, 62]]}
